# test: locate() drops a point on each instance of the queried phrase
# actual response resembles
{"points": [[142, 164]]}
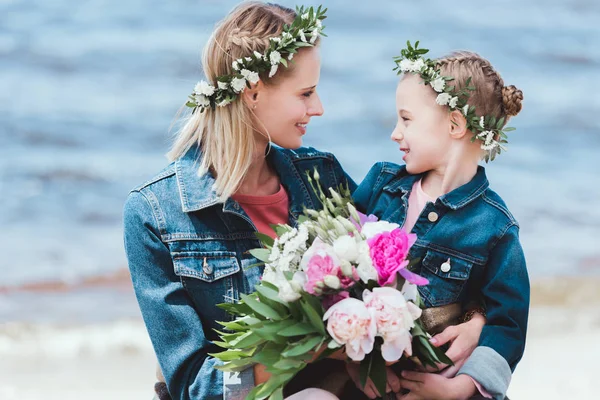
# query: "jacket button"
{"points": [[446, 267], [206, 268], [236, 205], [432, 216]]}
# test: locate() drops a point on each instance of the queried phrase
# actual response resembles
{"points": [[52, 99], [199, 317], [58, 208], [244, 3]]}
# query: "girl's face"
{"points": [[285, 109], [422, 130]]}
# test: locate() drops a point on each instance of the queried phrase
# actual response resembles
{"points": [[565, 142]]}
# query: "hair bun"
{"points": [[512, 99]]}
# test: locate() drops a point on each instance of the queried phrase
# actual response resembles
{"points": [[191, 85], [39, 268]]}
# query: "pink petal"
{"points": [[413, 278]]}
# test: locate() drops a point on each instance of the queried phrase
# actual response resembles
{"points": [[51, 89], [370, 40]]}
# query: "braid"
{"points": [[247, 40]]}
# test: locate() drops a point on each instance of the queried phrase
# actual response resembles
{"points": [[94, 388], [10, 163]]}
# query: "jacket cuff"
{"points": [[490, 370]]}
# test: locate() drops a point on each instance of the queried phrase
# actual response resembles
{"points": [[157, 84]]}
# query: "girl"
{"points": [[451, 114]]}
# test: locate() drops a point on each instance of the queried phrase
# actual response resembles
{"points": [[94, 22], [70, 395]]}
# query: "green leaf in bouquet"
{"points": [[238, 308], [224, 345], [261, 254], [281, 229], [248, 320], [277, 394], [233, 354], [281, 309], [265, 239], [313, 316], [303, 346], [234, 326], [260, 308], [288, 363], [373, 366], [269, 354], [299, 329], [269, 293], [333, 345], [274, 383], [235, 365], [249, 339]]}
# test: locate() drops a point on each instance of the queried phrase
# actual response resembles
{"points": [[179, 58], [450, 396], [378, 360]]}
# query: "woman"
{"points": [[188, 230]]}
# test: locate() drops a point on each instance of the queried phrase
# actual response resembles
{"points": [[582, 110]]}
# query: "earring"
{"points": [[254, 107]]}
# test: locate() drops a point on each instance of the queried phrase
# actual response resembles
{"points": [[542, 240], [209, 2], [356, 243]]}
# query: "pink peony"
{"points": [[318, 268], [389, 251], [350, 323], [394, 318]]}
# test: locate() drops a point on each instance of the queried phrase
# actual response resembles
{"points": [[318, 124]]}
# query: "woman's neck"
{"points": [[261, 179]]}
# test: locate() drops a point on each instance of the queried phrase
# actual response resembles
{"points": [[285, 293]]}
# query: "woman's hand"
{"points": [[463, 338], [393, 381], [260, 374], [435, 387]]}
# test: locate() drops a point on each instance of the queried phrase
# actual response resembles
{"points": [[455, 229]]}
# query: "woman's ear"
{"points": [[458, 124], [253, 95]]}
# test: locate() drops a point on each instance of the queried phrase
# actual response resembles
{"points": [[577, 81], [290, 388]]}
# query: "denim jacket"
{"points": [[468, 245], [187, 252]]}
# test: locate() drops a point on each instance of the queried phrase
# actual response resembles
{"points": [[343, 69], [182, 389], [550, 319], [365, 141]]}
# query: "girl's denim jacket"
{"points": [[187, 252], [468, 245]]}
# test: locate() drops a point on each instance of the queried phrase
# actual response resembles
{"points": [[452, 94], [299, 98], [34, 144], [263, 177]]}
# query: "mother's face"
{"points": [[284, 109]]}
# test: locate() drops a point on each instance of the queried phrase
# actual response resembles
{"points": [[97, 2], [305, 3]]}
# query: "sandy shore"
{"points": [[115, 360]]}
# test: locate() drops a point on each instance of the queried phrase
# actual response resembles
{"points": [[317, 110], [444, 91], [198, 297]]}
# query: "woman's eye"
{"points": [[308, 94], [405, 119]]}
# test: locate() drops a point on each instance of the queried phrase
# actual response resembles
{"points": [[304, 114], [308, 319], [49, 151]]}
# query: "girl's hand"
{"points": [[393, 381], [464, 338], [435, 387], [260, 374]]}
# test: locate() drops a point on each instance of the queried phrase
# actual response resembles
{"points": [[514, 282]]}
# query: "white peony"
{"points": [[370, 229], [346, 248], [438, 84], [275, 57], [365, 269], [443, 99], [238, 84]]}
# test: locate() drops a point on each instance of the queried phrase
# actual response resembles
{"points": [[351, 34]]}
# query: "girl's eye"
{"points": [[405, 119], [308, 94]]}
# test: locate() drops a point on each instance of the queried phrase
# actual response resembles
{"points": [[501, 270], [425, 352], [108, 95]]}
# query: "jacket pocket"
{"points": [[447, 275], [208, 266]]}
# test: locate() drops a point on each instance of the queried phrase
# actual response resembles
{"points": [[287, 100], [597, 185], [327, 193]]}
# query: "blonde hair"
{"points": [[226, 135], [490, 97]]}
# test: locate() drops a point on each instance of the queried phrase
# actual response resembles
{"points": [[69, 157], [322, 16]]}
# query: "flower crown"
{"points": [[486, 128], [303, 32]]}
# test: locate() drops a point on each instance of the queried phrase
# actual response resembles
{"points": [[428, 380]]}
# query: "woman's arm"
{"points": [[172, 322]]}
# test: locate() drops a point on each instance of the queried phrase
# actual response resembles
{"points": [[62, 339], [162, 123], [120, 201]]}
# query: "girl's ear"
{"points": [[252, 96], [458, 125]]}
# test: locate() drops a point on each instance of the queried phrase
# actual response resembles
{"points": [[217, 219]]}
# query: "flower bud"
{"points": [[353, 212], [336, 197], [332, 281], [346, 268], [330, 205]]}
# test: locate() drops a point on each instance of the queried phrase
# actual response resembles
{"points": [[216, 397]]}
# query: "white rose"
{"points": [[250, 76], [305, 16], [443, 99], [453, 102], [438, 84], [276, 39], [365, 269], [258, 55], [314, 36], [370, 229], [482, 122], [238, 84], [223, 103], [236, 65], [466, 110], [222, 85], [291, 56], [273, 70]]}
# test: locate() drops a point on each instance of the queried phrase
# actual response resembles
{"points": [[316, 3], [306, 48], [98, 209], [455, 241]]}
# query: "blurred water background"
{"points": [[89, 88]]}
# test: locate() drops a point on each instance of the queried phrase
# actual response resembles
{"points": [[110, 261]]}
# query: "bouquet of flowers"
{"points": [[339, 281]]}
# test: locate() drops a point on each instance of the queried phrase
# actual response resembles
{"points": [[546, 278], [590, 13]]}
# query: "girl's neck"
{"points": [[261, 179], [445, 179]]}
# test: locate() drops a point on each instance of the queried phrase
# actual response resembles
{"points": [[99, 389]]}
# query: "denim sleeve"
{"points": [[173, 324], [505, 291], [490, 370], [363, 196]]}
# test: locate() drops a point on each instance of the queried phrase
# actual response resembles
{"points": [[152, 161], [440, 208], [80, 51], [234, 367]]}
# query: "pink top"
{"points": [[265, 210], [417, 201]]}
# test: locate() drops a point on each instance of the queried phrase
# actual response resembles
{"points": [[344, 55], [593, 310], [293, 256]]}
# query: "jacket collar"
{"points": [[196, 192], [454, 200]]}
